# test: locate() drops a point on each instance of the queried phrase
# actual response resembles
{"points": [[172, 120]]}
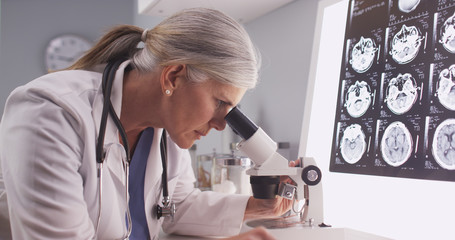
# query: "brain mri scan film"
{"points": [[406, 44], [401, 93], [447, 34], [444, 144], [408, 6], [358, 99], [446, 88], [396, 144], [395, 105], [362, 55], [353, 143]]}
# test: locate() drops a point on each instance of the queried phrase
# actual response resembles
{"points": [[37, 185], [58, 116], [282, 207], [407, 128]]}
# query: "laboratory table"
{"points": [[304, 234]]}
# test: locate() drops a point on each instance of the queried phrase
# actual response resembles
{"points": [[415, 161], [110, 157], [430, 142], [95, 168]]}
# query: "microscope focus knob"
{"points": [[311, 175]]}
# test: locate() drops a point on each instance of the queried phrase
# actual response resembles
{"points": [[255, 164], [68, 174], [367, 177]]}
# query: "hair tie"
{"points": [[144, 35]]}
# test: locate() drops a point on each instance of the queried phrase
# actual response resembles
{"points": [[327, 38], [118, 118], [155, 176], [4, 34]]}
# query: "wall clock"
{"points": [[64, 50]]}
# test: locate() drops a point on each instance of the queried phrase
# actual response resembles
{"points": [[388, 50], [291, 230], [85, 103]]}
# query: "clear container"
{"points": [[204, 166], [204, 170], [229, 174]]}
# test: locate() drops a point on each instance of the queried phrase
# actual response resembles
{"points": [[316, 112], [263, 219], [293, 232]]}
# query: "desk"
{"points": [[303, 233]]}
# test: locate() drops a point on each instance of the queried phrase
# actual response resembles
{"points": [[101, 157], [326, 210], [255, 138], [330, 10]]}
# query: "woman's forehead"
{"points": [[227, 92]]}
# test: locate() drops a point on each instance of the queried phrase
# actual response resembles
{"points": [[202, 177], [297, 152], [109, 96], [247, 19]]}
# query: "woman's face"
{"points": [[196, 108]]}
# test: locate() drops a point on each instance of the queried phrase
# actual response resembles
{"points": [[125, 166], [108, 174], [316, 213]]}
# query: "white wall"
{"points": [[144, 21], [392, 207]]}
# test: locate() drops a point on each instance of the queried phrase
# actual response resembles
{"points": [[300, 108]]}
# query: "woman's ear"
{"points": [[172, 77]]}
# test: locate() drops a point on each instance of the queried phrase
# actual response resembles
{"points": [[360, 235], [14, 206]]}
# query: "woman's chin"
{"points": [[185, 143]]}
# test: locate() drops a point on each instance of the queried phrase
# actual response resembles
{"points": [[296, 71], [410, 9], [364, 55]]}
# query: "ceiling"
{"points": [[242, 10]]}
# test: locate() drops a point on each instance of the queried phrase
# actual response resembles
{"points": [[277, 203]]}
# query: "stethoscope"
{"points": [[168, 208]]}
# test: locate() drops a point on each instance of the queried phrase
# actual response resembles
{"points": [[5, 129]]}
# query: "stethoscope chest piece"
{"points": [[167, 210]]}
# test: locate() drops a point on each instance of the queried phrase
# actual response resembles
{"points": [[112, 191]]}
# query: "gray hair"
{"points": [[209, 43]]}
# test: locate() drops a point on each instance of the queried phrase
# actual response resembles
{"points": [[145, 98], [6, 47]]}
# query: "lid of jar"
{"points": [[234, 161], [211, 156]]}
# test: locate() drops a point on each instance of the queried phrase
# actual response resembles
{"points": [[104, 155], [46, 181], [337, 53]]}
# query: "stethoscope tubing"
{"points": [[108, 109]]}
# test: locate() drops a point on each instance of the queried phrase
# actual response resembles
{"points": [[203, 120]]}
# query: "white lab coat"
{"points": [[47, 152]]}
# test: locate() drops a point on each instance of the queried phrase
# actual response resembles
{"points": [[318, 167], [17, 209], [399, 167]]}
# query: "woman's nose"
{"points": [[218, 123]]}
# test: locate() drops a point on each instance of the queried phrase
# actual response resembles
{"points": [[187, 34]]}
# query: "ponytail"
{"points": [[120, 42]]}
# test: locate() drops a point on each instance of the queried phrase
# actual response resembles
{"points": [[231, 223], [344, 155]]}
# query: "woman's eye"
{"points": [[220, 104]]}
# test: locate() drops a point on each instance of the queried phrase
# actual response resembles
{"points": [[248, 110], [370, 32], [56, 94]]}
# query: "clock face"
{"points": [[64, 50]]}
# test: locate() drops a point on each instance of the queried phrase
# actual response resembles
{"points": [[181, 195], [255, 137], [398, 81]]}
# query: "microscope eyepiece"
{"points": [[240, 123]]}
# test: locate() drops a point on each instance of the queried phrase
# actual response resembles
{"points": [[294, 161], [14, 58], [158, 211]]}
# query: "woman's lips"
{"points": [[200, 134]]}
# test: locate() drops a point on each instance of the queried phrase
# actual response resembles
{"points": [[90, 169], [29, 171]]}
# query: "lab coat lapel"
{"points": [[152, 185], [154, 166]]}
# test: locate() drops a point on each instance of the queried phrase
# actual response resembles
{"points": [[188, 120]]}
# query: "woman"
{"points": [[193, 68]]}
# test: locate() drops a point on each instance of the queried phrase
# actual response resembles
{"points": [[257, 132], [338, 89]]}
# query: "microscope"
{"points": [[270, 166]]}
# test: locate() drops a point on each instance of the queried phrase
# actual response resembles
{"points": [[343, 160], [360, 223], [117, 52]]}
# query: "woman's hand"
{"points": [[262, 208], [259, 233], [294, 163]]}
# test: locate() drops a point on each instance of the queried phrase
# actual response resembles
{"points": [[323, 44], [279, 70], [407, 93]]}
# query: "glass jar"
{"points": [[204, 166], [229, 174]]}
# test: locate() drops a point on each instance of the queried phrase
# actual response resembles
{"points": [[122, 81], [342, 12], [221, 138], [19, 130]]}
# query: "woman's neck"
{"points": [[141, 99]]}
